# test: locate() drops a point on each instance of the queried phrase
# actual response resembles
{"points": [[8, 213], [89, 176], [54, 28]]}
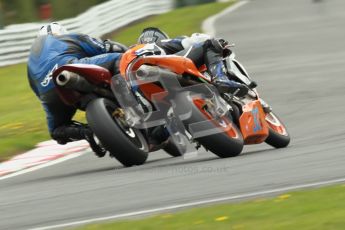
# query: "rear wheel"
{"points": [[171, 149], [220, 136], [278, 136], [223, 144], [126, 144]]}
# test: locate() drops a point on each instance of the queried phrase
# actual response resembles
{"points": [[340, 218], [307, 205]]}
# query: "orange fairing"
{"points": [[252, 123], [176, 64], [228, 129], [128, 57], [274, 123], [151, 89]]}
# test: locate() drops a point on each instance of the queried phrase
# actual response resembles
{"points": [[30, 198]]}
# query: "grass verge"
{"points": [[183, 21], [311, 209], [22, 120]]}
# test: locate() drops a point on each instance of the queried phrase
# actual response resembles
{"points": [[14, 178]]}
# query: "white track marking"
{"points": [[196, 203], [208, 25], [45, 154], [53, 162]]}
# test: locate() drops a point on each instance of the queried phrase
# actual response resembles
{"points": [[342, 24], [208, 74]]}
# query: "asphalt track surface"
{"points": [[295, 50]]}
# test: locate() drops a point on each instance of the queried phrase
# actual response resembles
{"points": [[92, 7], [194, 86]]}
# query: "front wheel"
{"points": [[126, 144], [278, 135]]}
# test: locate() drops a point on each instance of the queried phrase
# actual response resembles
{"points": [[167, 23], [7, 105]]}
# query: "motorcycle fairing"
{"points": [[93, 73], [253, 124]]}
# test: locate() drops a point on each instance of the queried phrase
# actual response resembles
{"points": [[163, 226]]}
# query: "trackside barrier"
{"points": [[15, 40]]}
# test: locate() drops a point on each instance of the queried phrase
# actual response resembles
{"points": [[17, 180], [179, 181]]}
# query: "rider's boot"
{"points": [[77, 131], [216, 68]]}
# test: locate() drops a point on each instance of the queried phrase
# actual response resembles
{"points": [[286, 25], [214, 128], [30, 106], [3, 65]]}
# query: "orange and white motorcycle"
{"points": [[221, 123], [168, 93]]}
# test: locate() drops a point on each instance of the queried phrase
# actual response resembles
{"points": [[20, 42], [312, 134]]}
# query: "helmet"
{"points": [[53, 28], [151, 35]]}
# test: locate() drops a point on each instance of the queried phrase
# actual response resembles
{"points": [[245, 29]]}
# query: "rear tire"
{"points": [[171, 149], [122, 144], [220, 143]]}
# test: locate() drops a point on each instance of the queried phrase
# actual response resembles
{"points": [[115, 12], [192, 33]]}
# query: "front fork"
{"points": [[266, 107]]}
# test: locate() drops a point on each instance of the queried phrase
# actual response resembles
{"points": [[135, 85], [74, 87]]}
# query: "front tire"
{"points": [[127, 145], [278, 135]]}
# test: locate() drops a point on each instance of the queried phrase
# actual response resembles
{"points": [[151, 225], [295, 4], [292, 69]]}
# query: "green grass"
{"points": [[183, 21], [22, 120], [308, 210]]}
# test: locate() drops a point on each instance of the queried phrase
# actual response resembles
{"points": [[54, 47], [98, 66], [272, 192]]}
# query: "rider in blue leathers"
{"points": [[53, 48]]}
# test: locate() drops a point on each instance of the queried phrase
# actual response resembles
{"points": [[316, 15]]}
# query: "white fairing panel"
{"points": [[235, 68], [194, 39], [150, 49]]}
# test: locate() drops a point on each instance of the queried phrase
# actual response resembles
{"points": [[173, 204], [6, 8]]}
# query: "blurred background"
{"points": [[19, 11]]}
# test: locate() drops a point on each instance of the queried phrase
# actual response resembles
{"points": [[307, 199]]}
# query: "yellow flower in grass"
{"points": [[282, 197], [221, 218]]}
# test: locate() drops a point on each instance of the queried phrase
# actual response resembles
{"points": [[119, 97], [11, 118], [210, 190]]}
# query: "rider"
{"points": [[55, 47], [201, 49]]}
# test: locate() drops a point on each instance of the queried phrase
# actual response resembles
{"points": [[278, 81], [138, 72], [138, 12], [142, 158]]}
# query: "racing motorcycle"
{"points": [[170, 94]]}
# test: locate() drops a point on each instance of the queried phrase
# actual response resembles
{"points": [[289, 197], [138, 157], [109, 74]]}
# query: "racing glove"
{"points": [[221, 46]]}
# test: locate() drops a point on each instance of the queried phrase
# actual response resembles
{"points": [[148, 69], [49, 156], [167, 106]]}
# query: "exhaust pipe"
{"points": [[148, 73], [70, 80]]}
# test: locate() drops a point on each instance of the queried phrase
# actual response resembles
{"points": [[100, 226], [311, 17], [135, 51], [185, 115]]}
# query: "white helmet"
{"points": [[53, 28]]}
